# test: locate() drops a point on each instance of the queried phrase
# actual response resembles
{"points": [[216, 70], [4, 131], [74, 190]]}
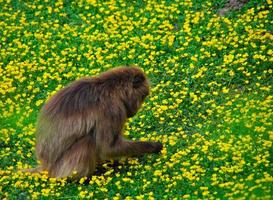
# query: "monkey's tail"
{"points": [[37, 169]]}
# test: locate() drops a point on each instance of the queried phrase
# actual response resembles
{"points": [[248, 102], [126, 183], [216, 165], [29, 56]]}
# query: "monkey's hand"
{"points": [[157, 147], [151, 147]]}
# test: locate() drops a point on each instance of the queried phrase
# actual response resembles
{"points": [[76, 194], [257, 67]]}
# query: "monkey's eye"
{"points": [[138, 80]]}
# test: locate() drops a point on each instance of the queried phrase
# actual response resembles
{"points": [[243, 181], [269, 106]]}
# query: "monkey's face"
{"points": [[125, 86], [136, 93]]}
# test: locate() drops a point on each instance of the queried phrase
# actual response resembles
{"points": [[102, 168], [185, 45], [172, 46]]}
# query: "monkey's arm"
{"points": [[123, 147]]}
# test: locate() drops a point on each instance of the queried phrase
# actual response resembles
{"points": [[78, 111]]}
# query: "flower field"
{"points": [[211, 101]]}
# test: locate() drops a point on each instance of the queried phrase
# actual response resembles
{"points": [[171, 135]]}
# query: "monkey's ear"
{"points": [[138, 80]]}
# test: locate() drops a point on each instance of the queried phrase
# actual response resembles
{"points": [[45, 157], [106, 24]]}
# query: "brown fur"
{"points": [[82, 123]]}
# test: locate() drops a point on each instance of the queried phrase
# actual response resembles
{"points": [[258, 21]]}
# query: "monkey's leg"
{"points": [[124, 147], [80, 157]]}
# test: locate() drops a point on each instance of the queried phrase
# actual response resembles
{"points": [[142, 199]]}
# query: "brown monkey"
{"points": [[82, 124]]}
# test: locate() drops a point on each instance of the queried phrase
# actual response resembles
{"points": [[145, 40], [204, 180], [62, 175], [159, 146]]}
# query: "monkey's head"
{"points": [[128, 85]]}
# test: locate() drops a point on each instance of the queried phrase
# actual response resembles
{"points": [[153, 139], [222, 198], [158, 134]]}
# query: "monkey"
{"points": [[82, 124]]}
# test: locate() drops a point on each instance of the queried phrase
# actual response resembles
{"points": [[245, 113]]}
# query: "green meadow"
{"points": [[211, 101]]}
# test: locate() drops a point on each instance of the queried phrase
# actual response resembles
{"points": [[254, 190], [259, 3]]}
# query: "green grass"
{"points": [[210, 105]]}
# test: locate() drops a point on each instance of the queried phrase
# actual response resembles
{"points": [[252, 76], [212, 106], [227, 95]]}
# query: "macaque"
{"points": [[81, 125]]}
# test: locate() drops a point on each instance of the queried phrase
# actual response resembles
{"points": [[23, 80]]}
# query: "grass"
{"points": [[211, 100]]}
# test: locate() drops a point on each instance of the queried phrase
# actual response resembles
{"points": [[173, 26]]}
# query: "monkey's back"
{"points": [[68, 115]]}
